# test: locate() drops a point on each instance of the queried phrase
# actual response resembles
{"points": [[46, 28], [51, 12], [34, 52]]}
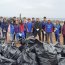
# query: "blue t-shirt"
{"points": [[29, 26], [57, 27], [48, 27]]}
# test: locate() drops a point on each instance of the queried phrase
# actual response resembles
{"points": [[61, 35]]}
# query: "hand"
{"points": [[44, 32], [37, 29], [59, 34], [54, 30]]}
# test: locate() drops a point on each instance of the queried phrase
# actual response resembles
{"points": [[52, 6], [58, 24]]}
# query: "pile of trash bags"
{"points": [[33, 52]]}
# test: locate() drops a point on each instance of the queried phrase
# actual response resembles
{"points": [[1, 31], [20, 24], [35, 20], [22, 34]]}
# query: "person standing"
{"points": [[4, 26], [29, 28], [43, 29], [11, 30], [1, 20], [49, 30], [16, 30], [57, 31], [22, 29], [25, 25], [63, 32], [37, 27], [33, 22]]}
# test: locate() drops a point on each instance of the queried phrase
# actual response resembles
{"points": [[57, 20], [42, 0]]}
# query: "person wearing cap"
{"points": [[49, 29], [29, 28], [43, 29], [57, 31], [63, 32], [38, 28]]}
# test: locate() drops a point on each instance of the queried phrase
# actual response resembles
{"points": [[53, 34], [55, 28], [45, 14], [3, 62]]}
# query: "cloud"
{"points": [[30, 8]]}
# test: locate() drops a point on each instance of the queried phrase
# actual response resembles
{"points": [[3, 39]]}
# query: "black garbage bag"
{"points": [[27, 58], [50, 48], [1, 49], [11, 52], [5, 61], [44, 57], [63, 52], [27, 44], [58, 48], [61, 61]]}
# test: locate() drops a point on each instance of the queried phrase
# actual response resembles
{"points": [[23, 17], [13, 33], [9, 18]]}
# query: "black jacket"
{"points": [[38, 25]]}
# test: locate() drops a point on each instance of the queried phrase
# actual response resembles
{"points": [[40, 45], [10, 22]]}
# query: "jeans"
{"points": [[57, 37], [17, 36], [49, 35], [44, 35], [25, 33], [11, 36], [4, 34]]}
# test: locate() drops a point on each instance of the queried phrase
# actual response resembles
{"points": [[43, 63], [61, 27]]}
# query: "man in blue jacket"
{"points": [[29, 28], [49, 29], [43, 29]]}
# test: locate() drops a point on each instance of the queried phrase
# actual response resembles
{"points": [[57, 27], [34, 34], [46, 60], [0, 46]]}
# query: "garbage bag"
{"points": [[50, 48], [6, 61], [45, 57], [58, 48], [63, 52], [11, 52], [61, 62], [27, 58], [1, 49], [29, 45]]}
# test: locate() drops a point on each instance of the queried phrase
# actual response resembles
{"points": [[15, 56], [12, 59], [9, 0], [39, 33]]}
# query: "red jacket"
{"points": [[21, 27], [63, 30]]}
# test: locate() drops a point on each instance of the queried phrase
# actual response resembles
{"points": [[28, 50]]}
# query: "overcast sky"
{"points": [[33, 8]]}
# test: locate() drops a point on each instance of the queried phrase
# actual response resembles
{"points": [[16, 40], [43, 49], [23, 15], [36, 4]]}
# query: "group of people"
{"points": [[33, 27]]}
